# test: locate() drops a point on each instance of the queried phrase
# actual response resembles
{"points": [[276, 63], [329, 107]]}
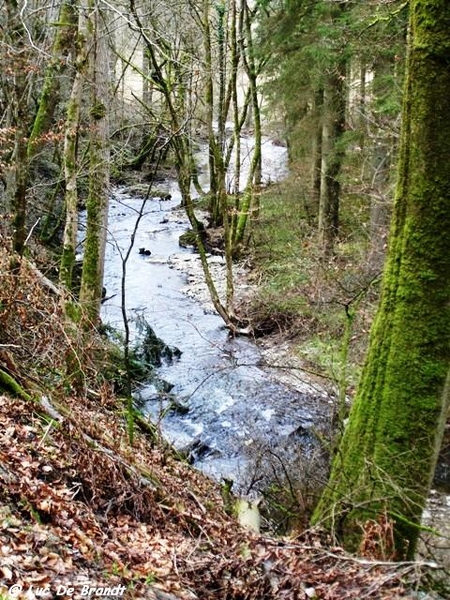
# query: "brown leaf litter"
{"points": [[83, 513]]}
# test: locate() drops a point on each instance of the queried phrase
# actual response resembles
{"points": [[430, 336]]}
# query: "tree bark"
{"points": [[332, 155], [18, 97], [70, 153], [98, 198], [249, 205], [252, 70], [62, 46], [386, 459], [316, 153]]}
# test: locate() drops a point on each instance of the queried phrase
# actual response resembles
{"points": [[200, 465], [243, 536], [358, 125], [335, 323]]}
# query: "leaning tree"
{"points": [[383, 469]]}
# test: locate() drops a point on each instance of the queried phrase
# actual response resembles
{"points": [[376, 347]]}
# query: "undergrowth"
{"points": [[79, 505], [305, 296], [41, 349]]}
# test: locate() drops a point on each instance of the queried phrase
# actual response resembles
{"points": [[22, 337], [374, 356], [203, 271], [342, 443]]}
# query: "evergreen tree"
{"points": [[336, 69]]}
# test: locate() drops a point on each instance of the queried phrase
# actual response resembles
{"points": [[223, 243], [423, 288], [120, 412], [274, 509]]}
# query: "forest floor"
{"points": [[306, 337], [85, 511]]}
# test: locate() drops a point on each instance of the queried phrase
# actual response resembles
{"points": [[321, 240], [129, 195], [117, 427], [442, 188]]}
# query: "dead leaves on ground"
{"points": [[79, 506], [76, 512]]}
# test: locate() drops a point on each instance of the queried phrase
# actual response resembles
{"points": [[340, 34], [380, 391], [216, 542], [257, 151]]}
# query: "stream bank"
{"points": [[234, 419], [236, 416]]}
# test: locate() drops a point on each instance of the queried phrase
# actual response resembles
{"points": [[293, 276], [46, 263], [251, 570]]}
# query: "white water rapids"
{"points": [[237, 416]]}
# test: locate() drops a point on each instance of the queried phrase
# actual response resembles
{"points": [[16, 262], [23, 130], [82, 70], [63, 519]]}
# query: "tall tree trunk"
{"points": [[384, 465], [249, 206], [333, 128], [97, 203], [62, 46], [70, 152], [214, 203], [316, 163], [222, 109], [252, 70], [19, 204], [17, 183], [147, 81]]}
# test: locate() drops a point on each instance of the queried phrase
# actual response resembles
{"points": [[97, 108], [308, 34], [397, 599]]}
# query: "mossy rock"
{"points": [[142, 189], [152, 350]]}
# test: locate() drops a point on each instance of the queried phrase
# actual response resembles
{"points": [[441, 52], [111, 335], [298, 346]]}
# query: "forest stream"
{"points": [[236, 419]]}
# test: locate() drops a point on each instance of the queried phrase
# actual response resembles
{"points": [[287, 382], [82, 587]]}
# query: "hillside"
{"points": [[84, 513]]}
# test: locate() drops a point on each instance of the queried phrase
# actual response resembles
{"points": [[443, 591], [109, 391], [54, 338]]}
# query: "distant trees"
{"points": [[334, 75], [193, 89], [383, 468], [203, 65], [196, 89]]}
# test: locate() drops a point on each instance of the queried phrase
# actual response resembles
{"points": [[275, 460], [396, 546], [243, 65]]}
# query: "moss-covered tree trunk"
{"points": [[70, 153], [214, 206], [215, 76], [98, 198], [385, 462], [252, 70], [249, 206], [61, 49]]}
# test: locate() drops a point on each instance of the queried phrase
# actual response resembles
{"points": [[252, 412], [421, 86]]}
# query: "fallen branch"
{"points": [[9, 384], [43, 280]]}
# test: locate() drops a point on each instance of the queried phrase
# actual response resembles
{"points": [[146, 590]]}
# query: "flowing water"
{"points": [[236, 416]]}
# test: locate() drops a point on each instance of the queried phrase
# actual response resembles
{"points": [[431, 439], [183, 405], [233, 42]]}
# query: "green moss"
{"points": [[66, 267], [98, 111], [9, 384], [73, 311], [387, 455]]}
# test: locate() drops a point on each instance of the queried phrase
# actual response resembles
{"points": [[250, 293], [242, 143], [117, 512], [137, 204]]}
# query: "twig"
{"points": [[49, 426], [364, 561], [31, 232]]}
